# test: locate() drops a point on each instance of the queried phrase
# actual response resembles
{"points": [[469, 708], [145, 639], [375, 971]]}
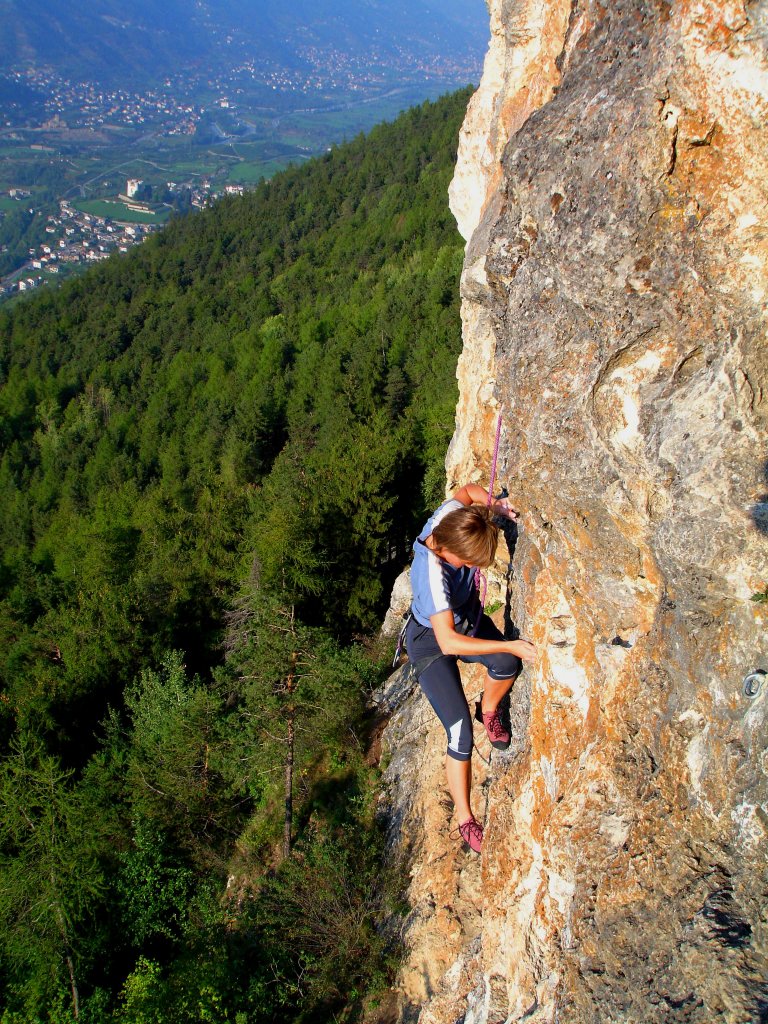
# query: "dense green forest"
{"points": [[214, 451]]}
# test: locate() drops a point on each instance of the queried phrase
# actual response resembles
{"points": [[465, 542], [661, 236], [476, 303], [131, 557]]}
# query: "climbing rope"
{"points": [[480, 577], [495, 460]]}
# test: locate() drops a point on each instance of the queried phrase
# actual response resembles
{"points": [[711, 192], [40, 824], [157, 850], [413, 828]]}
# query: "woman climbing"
{"points": [[443, 627]]}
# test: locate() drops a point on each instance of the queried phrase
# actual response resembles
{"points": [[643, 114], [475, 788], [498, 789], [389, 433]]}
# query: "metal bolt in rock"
{"points": [[753, 683]]}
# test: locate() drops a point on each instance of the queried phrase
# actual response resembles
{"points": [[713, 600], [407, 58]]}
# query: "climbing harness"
{"points": [[422, 664]]}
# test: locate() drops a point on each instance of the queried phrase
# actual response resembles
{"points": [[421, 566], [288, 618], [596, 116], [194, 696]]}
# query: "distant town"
{"points": [[75, 238], [87, 105], [173, 110], [70, 191]]}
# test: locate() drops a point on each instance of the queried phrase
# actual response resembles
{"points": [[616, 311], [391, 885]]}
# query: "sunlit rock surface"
{"points": [[613, 187]]}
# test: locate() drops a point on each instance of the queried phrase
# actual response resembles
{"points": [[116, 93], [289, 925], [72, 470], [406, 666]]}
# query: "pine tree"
{"points": [[52, 841], [294, 688]]}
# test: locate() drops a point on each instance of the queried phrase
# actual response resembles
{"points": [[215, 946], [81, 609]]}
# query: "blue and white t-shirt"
{"points": [[438, 586]]}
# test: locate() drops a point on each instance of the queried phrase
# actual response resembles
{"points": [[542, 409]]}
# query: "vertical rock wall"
{"points": [[613, 187]]}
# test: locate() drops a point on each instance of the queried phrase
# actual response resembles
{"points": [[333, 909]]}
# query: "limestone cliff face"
{"points": [[613, 188]]}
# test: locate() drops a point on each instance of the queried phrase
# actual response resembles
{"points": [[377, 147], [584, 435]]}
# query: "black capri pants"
{"points": [[440, 680]]}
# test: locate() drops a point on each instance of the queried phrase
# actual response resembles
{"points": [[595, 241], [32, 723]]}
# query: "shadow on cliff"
{"points": [[759, 511], [511, 533]]}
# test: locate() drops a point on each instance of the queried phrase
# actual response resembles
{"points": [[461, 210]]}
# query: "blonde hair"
{"points": [[469, 533]]}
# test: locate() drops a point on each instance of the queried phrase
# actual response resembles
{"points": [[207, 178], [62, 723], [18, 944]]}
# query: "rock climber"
{"points": [[443, 628]]}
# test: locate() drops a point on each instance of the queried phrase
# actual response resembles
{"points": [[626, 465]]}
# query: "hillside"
{"points": [[218, 445], [105, 40]]}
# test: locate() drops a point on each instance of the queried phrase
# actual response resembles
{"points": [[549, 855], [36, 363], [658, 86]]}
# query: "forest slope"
{"points": [[221, 441]]}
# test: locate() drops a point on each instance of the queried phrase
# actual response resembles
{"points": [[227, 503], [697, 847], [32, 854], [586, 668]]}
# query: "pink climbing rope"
{"points": [[495, 460], [480, 576]]}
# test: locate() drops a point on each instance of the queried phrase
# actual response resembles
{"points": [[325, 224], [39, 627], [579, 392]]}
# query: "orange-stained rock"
{"points": [[613, 188]]}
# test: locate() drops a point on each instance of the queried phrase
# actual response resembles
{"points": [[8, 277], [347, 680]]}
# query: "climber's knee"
{"points": [[504, 667], [460, 738]]}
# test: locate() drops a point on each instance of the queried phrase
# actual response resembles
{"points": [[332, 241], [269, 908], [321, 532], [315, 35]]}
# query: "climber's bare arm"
{"points": [[473, 494], [451, 642]]}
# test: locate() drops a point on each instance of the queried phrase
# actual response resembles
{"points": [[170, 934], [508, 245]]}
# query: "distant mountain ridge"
{"points": [[106, 42], [114, 43]]}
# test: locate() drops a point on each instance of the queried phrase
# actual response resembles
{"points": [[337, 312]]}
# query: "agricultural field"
{"points": [[115, 210], [244, 173]]}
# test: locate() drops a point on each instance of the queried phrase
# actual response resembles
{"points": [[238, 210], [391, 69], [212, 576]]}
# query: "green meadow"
{"points": [[119, 211]]}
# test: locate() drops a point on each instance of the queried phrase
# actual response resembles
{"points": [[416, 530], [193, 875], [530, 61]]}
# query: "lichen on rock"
{"points": [[612, 186]]}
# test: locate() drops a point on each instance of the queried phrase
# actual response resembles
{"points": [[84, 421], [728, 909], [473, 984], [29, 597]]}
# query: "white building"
{"points": [[132, 187]]}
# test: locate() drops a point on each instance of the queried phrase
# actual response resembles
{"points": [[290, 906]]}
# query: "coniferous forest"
{"points": [[214, 454]]}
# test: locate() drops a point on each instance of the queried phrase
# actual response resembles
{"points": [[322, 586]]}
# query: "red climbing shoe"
{"points": [[497, 733], [471, 831]]}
